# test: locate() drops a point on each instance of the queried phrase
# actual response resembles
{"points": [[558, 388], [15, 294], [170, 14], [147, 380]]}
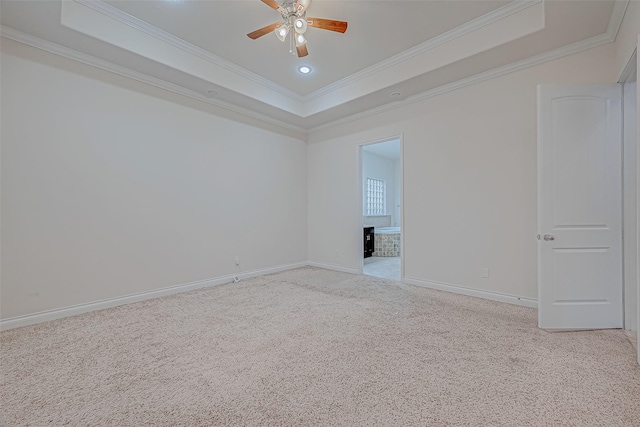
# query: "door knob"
{"points": [[549, 237]]}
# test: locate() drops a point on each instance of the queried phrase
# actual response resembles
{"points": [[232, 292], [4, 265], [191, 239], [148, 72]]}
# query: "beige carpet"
{"points": [[315, 347]]}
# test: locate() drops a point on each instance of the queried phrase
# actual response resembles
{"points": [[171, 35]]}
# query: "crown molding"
{"points": [[609, 36], [138, 24], [615, 20], [201, 61], [466, 28], [93, 61], [617, 14]]}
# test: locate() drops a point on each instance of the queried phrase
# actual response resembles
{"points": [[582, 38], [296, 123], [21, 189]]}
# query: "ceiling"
{"points": [[388, 149], [393, 52]]}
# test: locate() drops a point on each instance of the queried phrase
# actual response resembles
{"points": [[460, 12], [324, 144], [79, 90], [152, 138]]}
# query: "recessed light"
{"points": [[304, 69], [394, 94]]}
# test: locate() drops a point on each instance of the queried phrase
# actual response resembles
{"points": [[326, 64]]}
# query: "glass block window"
{"points": [[376, 197]]}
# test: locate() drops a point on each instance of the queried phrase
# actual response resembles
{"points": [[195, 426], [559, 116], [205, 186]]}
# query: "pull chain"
{"points": [[292, 42]]}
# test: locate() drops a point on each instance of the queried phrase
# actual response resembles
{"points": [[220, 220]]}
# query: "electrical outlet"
{"points": [[485, 273], [236, 279]]}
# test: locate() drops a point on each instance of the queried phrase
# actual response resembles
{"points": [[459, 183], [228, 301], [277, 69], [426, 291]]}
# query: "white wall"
{"points": [[626, 41], [111, 187], [637, 262], [382, 168], [629, 206], [469, 179]]}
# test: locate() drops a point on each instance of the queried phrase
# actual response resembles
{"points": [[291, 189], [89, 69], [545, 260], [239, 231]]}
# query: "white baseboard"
{"points": [[270, 270], [333, 267], [494, 296], [45, 316]]}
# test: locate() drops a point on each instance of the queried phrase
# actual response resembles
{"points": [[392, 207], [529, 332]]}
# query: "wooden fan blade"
{"points": [[273, 4], [302, 50], [328, 24], [264, 30]]}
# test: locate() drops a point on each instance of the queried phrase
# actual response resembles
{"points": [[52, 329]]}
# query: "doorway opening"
{"points": [[381, 191]]}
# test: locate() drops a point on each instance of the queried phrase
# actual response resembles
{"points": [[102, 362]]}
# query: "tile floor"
{"points": [[386, 267]]}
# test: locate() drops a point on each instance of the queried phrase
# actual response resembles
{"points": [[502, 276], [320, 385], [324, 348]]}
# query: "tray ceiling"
{"points": [[411, 49]]}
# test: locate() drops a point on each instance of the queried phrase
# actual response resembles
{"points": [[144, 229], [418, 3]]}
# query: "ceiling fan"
{"points": [[294, 23]]}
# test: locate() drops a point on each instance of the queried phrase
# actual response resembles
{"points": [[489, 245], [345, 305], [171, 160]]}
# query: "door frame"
{"points": [[630, 253], [360, 181], [629, 166]]}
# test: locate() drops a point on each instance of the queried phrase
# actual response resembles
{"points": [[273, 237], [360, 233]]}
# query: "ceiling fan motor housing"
{"points": [[289, 9]]}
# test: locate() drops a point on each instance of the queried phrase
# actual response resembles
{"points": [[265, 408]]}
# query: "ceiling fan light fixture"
{"points": [[302, 5], [294, 24], [300, 25], [281, 32]]}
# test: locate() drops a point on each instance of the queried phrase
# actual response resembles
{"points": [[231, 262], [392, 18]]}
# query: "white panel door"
{"points": [[580, 206]]}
